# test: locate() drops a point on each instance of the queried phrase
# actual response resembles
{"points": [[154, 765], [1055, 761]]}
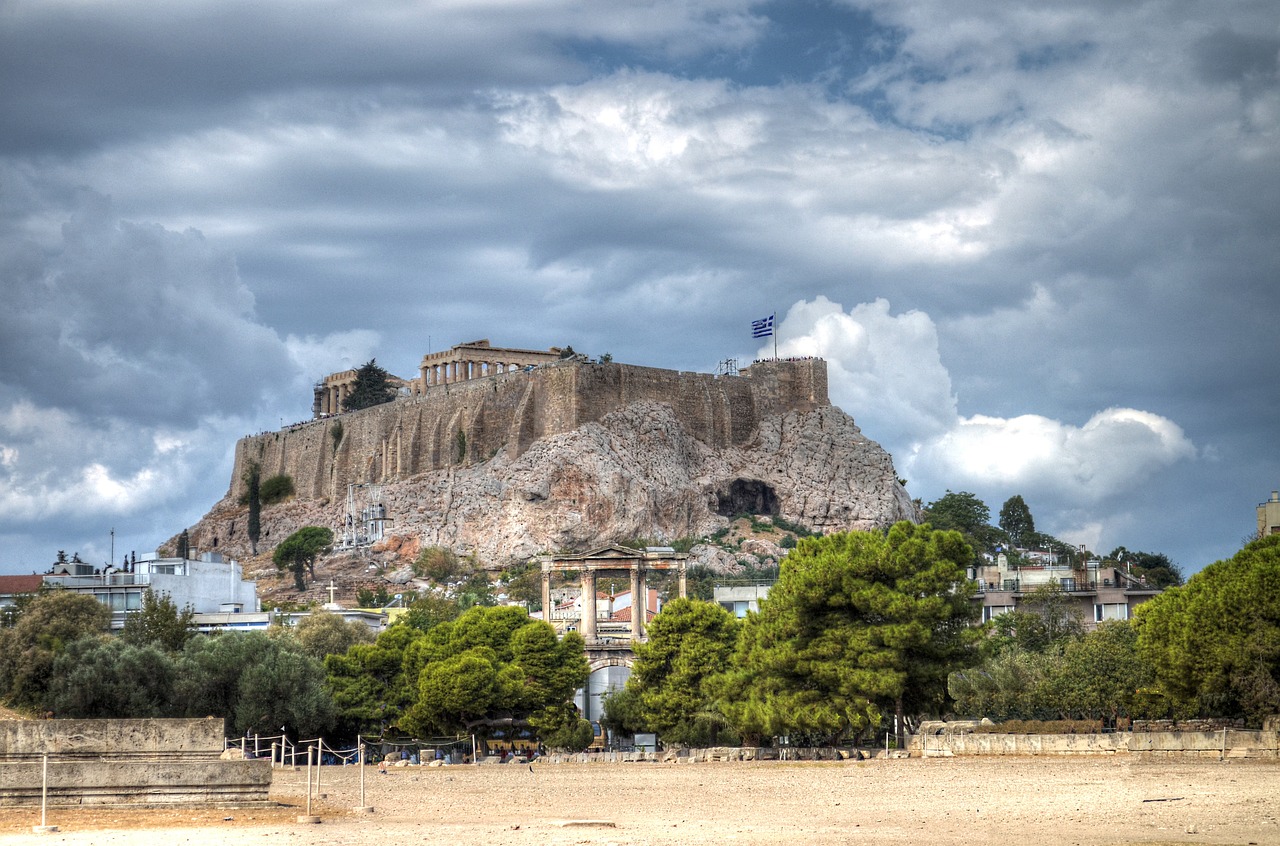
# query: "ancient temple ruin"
{"points": [[459, 363]]}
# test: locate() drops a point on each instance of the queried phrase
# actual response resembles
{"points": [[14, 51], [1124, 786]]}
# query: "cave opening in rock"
{"points": [[747, 496]]}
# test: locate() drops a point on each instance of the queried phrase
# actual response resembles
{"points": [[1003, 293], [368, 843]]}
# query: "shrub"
{"points": [[276, 489]]}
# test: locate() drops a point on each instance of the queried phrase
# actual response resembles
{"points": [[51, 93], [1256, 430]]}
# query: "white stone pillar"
{"points": [[587, 626], [639, 604]]}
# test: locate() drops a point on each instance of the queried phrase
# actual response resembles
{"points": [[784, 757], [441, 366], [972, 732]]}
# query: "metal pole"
{"points": [[360, 749], [44, 788], [310, 749], [319, 762]]}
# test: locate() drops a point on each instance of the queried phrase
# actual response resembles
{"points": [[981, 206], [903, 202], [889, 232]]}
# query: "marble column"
{"points": [[587, 626], [639, 604]]}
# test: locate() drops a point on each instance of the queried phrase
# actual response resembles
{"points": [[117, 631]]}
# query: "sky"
{"points": [[1037, 241]]}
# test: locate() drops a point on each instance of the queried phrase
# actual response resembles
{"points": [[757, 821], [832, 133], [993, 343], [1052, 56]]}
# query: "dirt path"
{"points": [[1028, 801]]}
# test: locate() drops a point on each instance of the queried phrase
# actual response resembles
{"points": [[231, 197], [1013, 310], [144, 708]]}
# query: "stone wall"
{"points": [[1230, 743], [25, 740], [574, 456], [125, 762], [509, 411]]}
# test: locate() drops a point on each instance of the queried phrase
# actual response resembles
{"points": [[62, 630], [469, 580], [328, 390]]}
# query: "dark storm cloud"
{"points": [[115, 322], [1041, 229]]}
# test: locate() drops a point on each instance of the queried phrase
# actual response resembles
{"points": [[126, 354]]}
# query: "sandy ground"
{"points": [[1028, 801]]}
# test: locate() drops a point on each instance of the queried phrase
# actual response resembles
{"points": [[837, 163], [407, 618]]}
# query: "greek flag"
{"points": [[763, 327]]}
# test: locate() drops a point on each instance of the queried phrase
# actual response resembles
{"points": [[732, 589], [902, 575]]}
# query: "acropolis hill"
{"points": [[510, 458]]}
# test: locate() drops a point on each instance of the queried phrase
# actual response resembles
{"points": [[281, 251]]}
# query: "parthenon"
{"points": [[475, 360], [460, 363]]}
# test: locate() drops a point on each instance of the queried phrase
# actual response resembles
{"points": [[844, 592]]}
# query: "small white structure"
{"points": [[207, 584], [739, 599]]}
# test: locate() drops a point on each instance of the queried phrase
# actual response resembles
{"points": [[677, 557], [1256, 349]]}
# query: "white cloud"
{"points": [[883, 369], [1113, 453], [887, 372], [317, 357]]}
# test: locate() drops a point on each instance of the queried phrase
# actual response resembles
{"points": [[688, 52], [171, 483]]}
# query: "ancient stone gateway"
{"points": [[611, 559], [609, 642]]}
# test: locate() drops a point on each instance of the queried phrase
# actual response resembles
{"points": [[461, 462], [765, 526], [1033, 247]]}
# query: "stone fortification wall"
{"points": [[459, 424]]}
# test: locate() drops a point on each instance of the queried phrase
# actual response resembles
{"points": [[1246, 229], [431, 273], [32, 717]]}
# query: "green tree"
{"points": [[1016, 520], [523, 583], [1213, 642], [1046, 620], [102, 677], [253, 496], [255, 683], [1154, 567], [441, 565], [858, 624], [1102, 674], [298, 552], [211, 670], [963, 512], [370, 686], [689, 643], [159, 623], [1011, 685], [372, 387], [622, 711], [322, 633], [184, 545], [11, 613], [489, 665], [284, 688], [50, 624], [561, 728], [429, 609]]}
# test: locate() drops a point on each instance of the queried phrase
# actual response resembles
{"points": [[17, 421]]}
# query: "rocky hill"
{"points": [[520, 464]]}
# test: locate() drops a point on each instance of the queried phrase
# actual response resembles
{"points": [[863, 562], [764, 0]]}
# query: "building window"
{"points": [[1110, 611], [990, 612]]}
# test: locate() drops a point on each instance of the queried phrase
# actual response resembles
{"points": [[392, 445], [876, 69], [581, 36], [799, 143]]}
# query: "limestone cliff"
{"points": [[578, 456]]}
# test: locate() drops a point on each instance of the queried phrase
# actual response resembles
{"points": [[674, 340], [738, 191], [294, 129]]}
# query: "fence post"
{"points": [[44, 828], [362, 808]]}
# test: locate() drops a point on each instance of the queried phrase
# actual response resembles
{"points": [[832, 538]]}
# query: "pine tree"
{"points": [[373, 387], [1015, 519], [252, 481]]}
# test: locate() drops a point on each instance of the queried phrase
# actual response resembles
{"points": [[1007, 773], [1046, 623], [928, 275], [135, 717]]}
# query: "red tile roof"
{"points": [[10, 585]]}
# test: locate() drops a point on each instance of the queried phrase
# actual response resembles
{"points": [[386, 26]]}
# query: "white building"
{"points": [[208, 584]]}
